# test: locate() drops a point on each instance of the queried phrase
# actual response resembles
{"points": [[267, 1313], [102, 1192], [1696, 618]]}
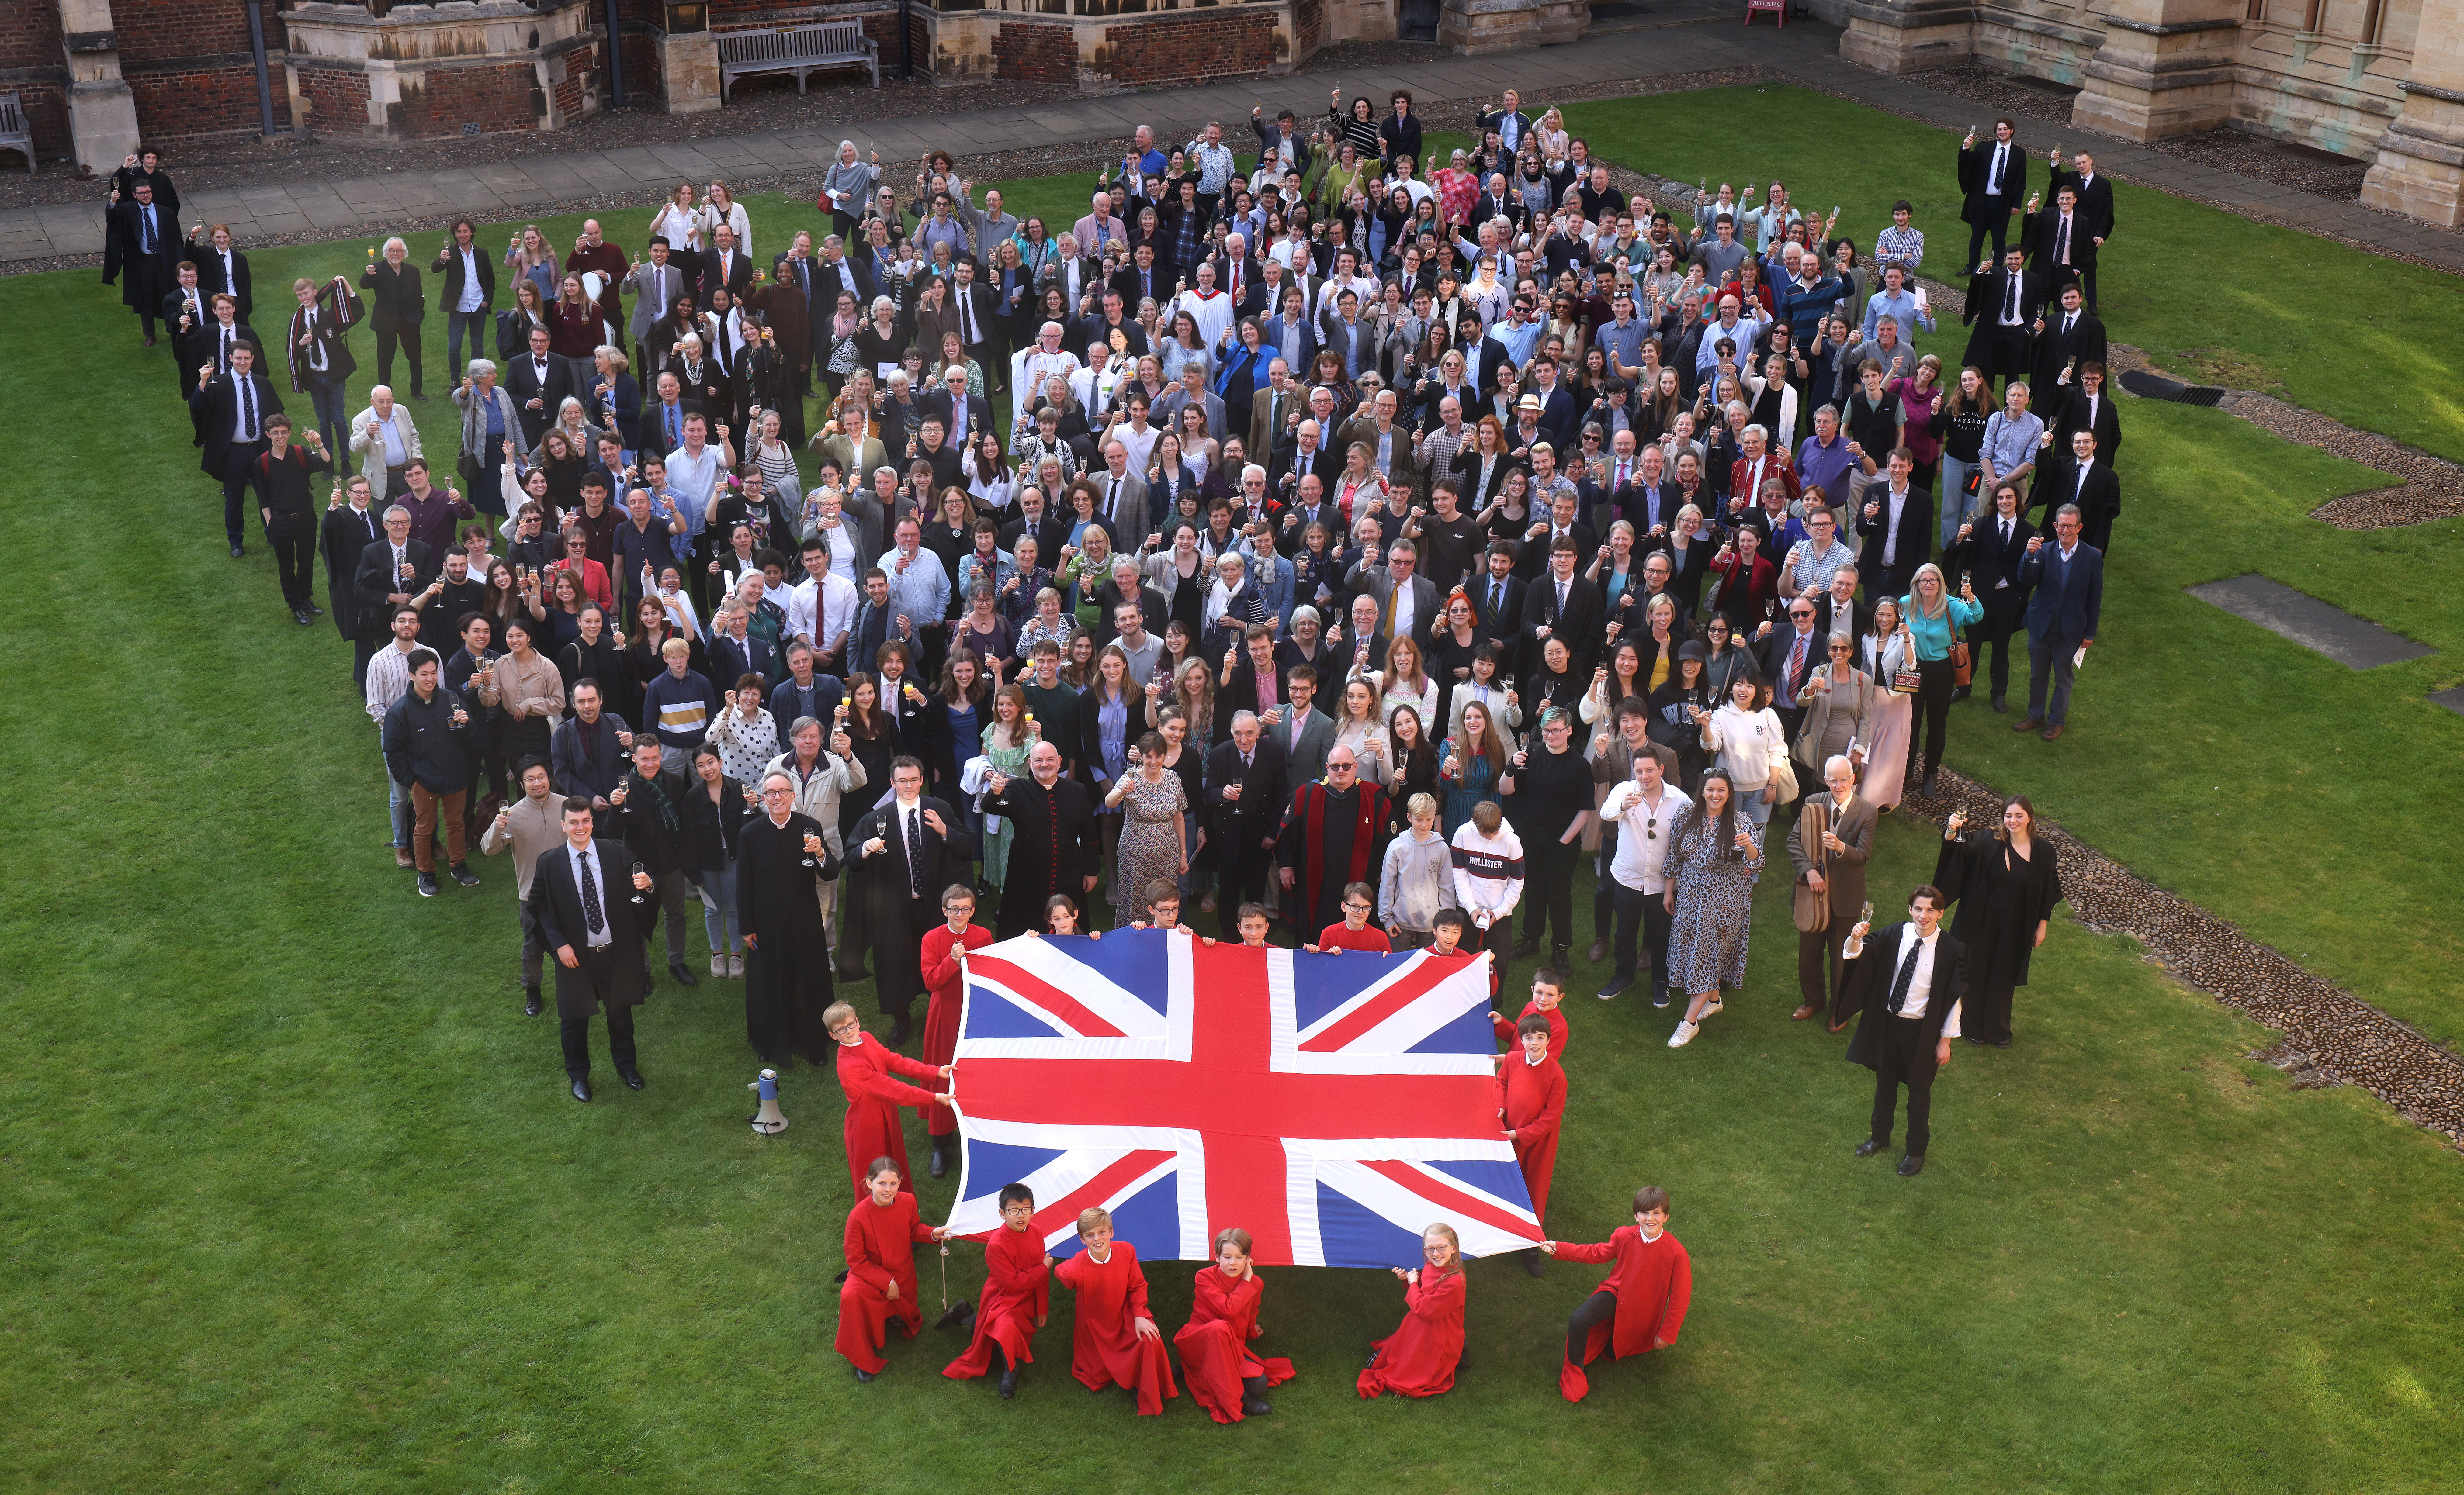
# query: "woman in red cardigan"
{"points": [[1642, 1305], [1418, 1358], [943, 945]]}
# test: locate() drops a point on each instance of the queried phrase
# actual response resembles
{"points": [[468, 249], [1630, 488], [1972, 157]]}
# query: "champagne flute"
{"points": [[812, 852], [639, 871]]}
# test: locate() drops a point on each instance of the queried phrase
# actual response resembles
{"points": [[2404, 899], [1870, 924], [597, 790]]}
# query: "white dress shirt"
{"points": [[585, 868], [1921, 985]]}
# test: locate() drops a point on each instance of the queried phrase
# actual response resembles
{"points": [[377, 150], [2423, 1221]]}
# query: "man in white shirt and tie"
{"points": [[1993, 183], [1909, 996], [593, 916]]}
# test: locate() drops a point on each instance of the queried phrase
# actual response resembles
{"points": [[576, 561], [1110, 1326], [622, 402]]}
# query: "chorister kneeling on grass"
{"points": [[1641, 1306]]}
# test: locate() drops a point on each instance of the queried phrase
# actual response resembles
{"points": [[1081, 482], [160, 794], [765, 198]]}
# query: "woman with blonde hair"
{"points": [[1359, 726], [1418, 1359], [1934, 618], [1405, 681]]}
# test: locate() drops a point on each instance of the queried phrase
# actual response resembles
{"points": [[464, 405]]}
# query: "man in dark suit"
{"points": [[1288, 330], [1993, 185], [222, 268], [972, 307], [583, 904], [1245, 795], [1116, 315], [907, 852], [143, 241], [1300, 456], [2002, 306], [1897, 527], [2095, 194], [735, 653], [1241, 693], [2082, 478], [2056, 240], [1497, 604], [391, 572], [2086, 406], [343, 535], [229, 412], [643, 811], [1787, 658], [1990, 551], [1237, 275], [589, 752], [726, 264], [1142, 280], [185, 315], [1482, 355], [2067, 582], [963, 416], [1416, 606], [1907, 996], [539, 380], [2067, 340], [1563, 605]]}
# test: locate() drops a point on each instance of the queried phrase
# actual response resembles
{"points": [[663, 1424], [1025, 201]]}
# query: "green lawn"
{"points": [[2207, 292], [295, 1196]]}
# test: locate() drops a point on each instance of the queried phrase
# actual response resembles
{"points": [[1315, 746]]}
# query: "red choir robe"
{"points": [[1418, 1358], [1213, 1345], [940, 965], [873, 1097], [880, 1250], [1557, 1029], [1015, 1294], [1653, 1282], [1107, 1347], [1534, 1097]]}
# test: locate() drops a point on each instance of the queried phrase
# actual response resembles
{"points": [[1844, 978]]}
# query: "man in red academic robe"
{"points": [[1227, 1380], [1547, 991], [1334, 835], [943, 944], [1531, 1101], [1418, 1359], [866, 1071], [881, 1234], [1642, 1305], [1017, 1298], [1115, 1341]]}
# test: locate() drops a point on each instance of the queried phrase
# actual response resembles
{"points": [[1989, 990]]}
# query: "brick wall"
{"points": [[29, 57], [1038, 54], [1195, 47], [175, 104], [338, 103], [496, 98]]}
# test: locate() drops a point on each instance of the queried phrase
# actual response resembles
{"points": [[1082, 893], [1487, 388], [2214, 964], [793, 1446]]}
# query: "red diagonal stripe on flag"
{"points": [[1454, 1200], [1064, 1210], [1043, 993], [1409, 989]]}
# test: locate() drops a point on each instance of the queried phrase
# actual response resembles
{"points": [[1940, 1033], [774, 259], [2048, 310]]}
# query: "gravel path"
{"points": [[2331, 1037]]}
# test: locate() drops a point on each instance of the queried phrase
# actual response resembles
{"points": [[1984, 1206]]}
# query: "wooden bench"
{"points": [[796, 49], [14, 134]]}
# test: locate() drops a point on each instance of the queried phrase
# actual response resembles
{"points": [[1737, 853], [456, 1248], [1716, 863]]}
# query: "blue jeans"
{"points": [[479, 324], [1751, 801], [2049, 663], [397, 807], [716, 915], [332, 417], [1954, 501]]}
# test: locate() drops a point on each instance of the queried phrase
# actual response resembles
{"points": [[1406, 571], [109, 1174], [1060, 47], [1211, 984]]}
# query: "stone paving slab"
{"points": [[2348, 640], [2453, 700]]}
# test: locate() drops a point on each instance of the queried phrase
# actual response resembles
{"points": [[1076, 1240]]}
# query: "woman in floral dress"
{"points": [[1717, 854], [1007, 744], [1152, 847]]}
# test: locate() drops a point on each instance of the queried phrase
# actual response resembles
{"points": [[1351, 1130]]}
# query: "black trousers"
{"points": [[1604, 886], [1240, 878], [407, 334], [235, 468], [1933, 704], [1906, 1060], [295, 557], [1992, 637], [1997, 222], [1648, 912], [1498, 939], [575, 1032], [1812, 949], [1549, 888], [1600, 1308]]}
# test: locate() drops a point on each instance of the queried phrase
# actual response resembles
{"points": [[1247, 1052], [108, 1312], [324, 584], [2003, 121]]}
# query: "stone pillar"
{"points": [[103, 109], [2165, 68], [2420, 171], [689, 60], [1905, 36], [1481, 26]]}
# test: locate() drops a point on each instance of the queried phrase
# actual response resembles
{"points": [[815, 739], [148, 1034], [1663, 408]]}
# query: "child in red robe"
{"points": [[940, 963], [1418, 1358], [1115, 1342], [1531, 1101], [1547, 990], [1642, 1305], [1227, 1380], [1356, 932], [1017, 1298], [865, 1069], [881, 1234]]}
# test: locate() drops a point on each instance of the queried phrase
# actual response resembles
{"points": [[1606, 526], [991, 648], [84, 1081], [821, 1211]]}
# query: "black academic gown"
{"points": [[1056, 848], [786, 958], [1994, 916], [1325, 859]]}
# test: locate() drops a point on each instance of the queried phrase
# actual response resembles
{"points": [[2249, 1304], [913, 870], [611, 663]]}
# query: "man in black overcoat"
{"points": [[906, 852], [778, 909], [1907, 993]]}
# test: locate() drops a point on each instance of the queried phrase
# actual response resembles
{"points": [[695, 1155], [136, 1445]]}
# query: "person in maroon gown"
{"points": [[1548, 992], [1642, 1305], [1418, 1358], [882, 1231], [867, 1073], [1227, 1380], [939, 959], [1532, 1102], [1115, 1342], [1017, 1298]]}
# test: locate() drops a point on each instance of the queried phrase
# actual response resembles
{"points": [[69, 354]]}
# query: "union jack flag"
{"points": [[1333, 1106]]}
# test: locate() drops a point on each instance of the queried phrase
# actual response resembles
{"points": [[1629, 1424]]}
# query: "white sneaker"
{"points": [[718, 965], [1711, 1007], [735, 966], [1684, 1034]]}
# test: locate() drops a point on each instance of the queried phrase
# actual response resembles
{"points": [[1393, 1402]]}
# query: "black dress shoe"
{"points": [[1009, 1383], [1961, 693], [940, 1164], [2000, 704], [1252, 1407], [863, 1375], [897, 1038], [2002, 1043], [1911, 1165], [633, 1078], [1927, 788], [237, 551], [1531, 1263], [531, 1005], [1868, 1147], [315, 611], [299, 616], [582, 1090], [1973, 1038], [683, 973]]}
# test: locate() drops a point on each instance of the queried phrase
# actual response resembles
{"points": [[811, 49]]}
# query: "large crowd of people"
{"points": [[1345, 544]]}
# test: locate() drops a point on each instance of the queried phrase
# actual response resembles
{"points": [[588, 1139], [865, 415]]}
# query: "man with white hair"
{"points": [[1833, 836], [1099, 226], [1232, 608], [386, 440], [1206, 305], [1049, 358]]}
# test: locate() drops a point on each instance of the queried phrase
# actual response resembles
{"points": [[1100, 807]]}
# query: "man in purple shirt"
{"points": [[432, 509], [1823, 459]]}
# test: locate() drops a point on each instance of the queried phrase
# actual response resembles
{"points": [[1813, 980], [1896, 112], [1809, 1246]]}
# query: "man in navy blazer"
{"points": [[2069, 580]]}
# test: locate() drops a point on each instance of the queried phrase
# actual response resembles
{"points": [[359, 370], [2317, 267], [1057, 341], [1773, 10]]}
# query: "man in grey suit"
{"points": [[1191, 391], [2068, 578], [1121, 498], [1409, 614], [1304, 732], [655, 287]]}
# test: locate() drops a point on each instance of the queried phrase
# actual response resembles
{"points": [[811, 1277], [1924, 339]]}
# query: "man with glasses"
{"points": [[1789, 657], [1334, 835], [1644, 810]]}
